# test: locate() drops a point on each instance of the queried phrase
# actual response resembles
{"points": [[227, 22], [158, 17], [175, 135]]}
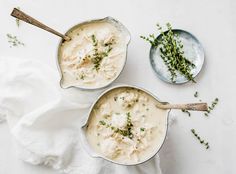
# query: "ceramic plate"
{"points": [[193, 51]]}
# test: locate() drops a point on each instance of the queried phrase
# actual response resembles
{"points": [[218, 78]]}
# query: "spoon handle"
{"points": [[189, 106], [24, 17]]}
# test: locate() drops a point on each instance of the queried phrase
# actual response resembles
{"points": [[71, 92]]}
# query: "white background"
{"points": [[213, 22]]}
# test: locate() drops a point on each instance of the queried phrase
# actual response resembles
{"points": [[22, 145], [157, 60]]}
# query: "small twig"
{"points": [[187, 112], [210, 108], [200, 139]]}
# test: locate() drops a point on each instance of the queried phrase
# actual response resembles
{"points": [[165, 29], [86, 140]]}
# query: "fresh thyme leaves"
{"points": [[187, 112], [123, 98], [142, 129], [14, 41], [210, 108], [151, 39], [196, 94], [99, 54], [171, 52], [206, 144], [97, 59], [129, 125], [95, 41], [17, 20], [102, 122], [82, 76], [126, 131]]}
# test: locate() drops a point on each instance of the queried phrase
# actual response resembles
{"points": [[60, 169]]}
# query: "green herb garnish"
{"points": [[102, 122], [200, 139], [171, 52], [196, 94], [95, 41], [14, 41], [187, 112], [210, 108], [82, 76], [98, 55], [142, 129], [125, 132]]}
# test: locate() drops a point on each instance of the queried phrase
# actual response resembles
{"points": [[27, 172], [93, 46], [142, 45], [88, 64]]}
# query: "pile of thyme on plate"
{"points": [[171, 52]]}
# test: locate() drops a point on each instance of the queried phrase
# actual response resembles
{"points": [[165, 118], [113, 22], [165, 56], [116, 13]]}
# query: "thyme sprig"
{"points": [[17, 20], [102, 122], [94, 39], [82, 76], [206, 144], [142, 129], [187, 112], [98, 55], [14, 41], [210, 108], [127, 131], [171, 52]]}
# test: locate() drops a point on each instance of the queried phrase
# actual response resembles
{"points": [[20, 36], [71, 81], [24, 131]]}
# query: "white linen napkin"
{"points": [[45, 120]]}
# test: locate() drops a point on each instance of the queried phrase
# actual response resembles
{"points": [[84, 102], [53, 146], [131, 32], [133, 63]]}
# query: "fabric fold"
{"points": [[45, 120]]}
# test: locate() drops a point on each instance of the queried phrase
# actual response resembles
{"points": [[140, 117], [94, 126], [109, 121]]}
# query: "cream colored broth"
{"points": [[114, 112], [91, 42]]}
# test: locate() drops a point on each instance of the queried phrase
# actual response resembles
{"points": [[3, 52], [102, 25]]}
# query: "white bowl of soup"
{"points": [[95, 55], [125, 126]]}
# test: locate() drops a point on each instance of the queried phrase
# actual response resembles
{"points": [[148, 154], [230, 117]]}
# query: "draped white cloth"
{"points": [[45, 120]]}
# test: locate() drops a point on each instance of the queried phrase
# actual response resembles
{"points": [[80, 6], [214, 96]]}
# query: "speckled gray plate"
{"points": [[193, 51]]}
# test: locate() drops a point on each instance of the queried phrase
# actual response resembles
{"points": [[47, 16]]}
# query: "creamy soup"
{"points": [[95, 55], [126, 126]]}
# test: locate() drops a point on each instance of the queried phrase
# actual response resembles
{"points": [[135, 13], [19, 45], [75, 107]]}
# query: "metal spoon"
{"points": [[24, 17], [189, 106]]}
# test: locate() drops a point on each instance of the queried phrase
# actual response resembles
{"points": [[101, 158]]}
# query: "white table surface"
{"points": [[213, 22]]}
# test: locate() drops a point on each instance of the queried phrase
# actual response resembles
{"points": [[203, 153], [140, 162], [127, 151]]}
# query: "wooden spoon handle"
{"points": [[24, 17], [189, 106]]}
